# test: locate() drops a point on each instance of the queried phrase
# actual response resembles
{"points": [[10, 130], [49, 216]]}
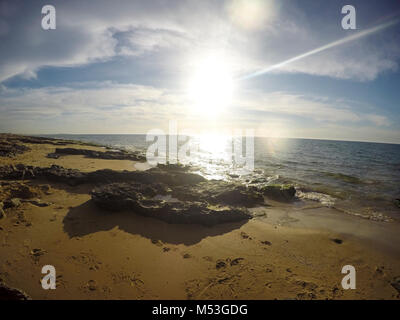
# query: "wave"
{"points": [[324, 199]]}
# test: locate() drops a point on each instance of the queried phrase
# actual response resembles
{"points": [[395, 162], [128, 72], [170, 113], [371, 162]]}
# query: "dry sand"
{"points": [[286, 254]]}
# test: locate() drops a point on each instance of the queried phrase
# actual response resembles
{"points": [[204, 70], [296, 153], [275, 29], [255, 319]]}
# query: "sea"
{"points": [[357, 178]]}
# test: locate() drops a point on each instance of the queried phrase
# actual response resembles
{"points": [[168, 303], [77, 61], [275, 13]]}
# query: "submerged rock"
{"points": [[283, 192]]}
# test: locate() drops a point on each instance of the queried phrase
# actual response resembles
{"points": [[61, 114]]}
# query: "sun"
{"points": [[210, 88]]}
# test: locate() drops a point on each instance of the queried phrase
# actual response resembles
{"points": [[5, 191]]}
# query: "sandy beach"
{"points": [[283, 252]]}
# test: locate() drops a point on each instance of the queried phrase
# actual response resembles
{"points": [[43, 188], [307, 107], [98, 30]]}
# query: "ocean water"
{"points": [[358, 178]]}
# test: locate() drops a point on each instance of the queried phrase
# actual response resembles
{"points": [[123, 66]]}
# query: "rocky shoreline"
{"points": [[197, 200], [115, 232]]}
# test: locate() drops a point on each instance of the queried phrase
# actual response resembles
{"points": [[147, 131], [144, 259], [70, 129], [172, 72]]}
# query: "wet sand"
{"points": [[283, 253]]}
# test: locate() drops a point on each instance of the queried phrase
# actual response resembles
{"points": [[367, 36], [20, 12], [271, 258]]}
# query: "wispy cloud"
{"points": [[90, 31]]}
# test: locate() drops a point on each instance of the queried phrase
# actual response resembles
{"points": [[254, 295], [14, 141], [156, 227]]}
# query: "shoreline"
{"points": [[287, 254]]}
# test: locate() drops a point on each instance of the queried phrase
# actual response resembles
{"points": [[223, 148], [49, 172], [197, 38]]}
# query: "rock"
{"points": [[130, 197], [37, 252], [279, 192], [13, 203], [38, 203], [53, 156], [7, 293], [22, 191], [395, 283], [10, 149], [397, 202], [46, 189], [2, 213], [266, 242], [240, 196], [220, 264], [109, 155], [338, 241], [74, 177]]}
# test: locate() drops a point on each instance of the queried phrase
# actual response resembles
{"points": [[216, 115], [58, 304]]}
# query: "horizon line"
{"points": [[269, 137]]}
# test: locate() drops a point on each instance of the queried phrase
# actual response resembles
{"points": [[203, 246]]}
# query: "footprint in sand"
{"points": [[224, 263], [37, 253], [244, 235], [86, 259]]}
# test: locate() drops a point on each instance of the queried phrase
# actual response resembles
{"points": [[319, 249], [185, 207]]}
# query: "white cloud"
{"points": [[89, 31], [122, 108]]}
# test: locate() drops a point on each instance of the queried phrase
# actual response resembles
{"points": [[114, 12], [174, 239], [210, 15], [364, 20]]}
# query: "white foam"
{"points": [[324, 199]]}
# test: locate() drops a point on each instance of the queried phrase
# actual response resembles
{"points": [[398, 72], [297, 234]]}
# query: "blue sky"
{"points": [[124, 66]]}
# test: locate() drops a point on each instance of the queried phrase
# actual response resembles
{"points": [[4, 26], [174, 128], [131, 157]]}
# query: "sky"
{"points": [[122, 67]]}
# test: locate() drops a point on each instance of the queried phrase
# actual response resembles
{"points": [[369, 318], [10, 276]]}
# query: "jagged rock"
{"points": [[108, 155], [46, 189], [220, 192], [7, 293], [10, 149], [279, 192], [12, 203], [2, 213], [53, 156], [396, 284], [129, 197], [37, 203], [240, 196], [22, 191], [74, 177]]}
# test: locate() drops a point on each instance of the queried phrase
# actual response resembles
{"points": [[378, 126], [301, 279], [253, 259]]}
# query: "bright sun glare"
{"points": [[211, 87]]}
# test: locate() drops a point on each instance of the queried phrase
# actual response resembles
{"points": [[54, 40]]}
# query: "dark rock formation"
{"points": [[11, 149], [221, 192], [131, 197], [279, 192], [108, 155], [395, 283], [75, 177], [197, 200], [7, 293], [2, 213], [13, 138], [240, 196]]}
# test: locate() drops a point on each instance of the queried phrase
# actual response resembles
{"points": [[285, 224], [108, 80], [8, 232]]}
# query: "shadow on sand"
{"points": [[87, 218]]}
